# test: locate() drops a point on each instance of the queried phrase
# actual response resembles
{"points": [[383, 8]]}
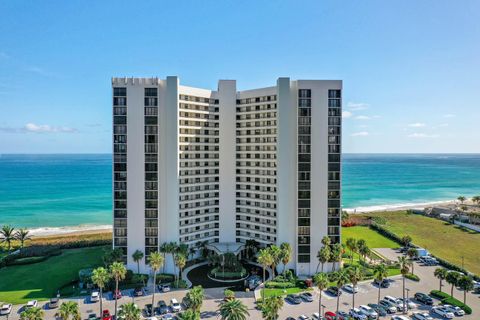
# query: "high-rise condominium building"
{"points": [[193, 166]]}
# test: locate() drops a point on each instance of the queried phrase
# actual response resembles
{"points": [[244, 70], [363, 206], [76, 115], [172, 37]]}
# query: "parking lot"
{"points": [[367, 293]]}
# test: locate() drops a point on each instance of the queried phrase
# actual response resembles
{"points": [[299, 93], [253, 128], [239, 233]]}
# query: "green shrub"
{"points": [[180, 285], [439, 294], [413, 277], [28, 260], [279, 285], [447, 299], [165, 278]]}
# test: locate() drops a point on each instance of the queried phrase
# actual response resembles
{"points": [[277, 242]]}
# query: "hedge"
{"points": [[413, 277], [165, 278], [447, 299], [279, 285], [386, 233]]}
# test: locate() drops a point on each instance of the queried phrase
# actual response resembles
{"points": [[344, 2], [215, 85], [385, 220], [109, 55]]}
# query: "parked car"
{"points": [[356, 314], [385, 283], [423, 298], [31, 304], [53, 303], [92, 316], [334, 291], [369, 312], [106, 315], [306, 296], [175, 305], [443, 312], [378, 309], [329, 315], [117, 294], [6, 309], [342, 315], [400, 318], [293, 299], [303, 317], [138, 292], [162, 307], [350, 288], [163, 287], [169, 316], [94, 296], [148, 310], [421, 316], [409, 303], [395, 301], [316, 316], [387, 305], [456, 310]]}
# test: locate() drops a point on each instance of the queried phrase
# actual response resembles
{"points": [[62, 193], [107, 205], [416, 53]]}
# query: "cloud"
{"points": [[357, 106], [362, 118], [448, 115], [346, 114], [422, 135], [417, 125], [360, 134], [35, 128]]}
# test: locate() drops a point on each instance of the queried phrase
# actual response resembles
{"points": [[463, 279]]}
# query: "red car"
{"points": [[117, 294], [329, 315], [106, 315]]}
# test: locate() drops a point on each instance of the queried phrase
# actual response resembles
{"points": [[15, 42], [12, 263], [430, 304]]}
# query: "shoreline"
{"points": [[403, 206], [68, 230]]}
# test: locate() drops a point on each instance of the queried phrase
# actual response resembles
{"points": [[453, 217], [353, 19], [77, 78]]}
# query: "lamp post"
{"points": [[405, 307]]}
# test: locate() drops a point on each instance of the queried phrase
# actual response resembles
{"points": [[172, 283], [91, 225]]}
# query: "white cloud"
{"points": [[422, 135], [35, 128], [362, 118], [448, 115], [417, 125], [360, 134], [357, 106], [346, 114]]}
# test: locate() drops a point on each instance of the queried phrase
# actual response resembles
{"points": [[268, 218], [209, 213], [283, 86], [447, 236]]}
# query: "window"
{"points": [[122, 92]]}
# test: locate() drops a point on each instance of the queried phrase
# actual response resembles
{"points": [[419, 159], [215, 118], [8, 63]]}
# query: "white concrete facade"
{"points": [[194, 165]]}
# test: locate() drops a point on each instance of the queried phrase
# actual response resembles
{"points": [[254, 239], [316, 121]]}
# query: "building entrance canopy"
{"points": [[225, 247]]}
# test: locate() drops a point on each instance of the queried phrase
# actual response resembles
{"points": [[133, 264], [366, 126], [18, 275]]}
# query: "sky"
{"points": [[410, 69]]}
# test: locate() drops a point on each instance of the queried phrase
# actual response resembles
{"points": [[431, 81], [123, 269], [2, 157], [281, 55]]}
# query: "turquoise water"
{"points": [[70, 190]]}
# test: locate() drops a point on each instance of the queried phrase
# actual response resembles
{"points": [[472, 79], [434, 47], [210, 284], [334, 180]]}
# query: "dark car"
{"points": [[92, 316], [306, 296], [53, 303], [138, 291], [423, 298], [383, 284], [162, 307], [293, 299], [147, 310], [378, 309], [334, 291], [342, 315]]}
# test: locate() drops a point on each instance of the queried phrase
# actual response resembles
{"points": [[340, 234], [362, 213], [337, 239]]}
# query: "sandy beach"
{"points": [[73, 230]]}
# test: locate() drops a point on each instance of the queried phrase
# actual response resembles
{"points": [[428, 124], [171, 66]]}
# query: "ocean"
{"points": [[38, 191]]}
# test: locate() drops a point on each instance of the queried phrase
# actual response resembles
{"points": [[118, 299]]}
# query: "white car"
{"points": [[6, 309], [168, 316], [421, 316], [369, 312], [303, 317], [400, 318], [350, 288], [395, 301], [176, 307], [456, 310], [410, 304], [95, 296], [443, 312], [31, 304], [316, 316], [357, 314]]}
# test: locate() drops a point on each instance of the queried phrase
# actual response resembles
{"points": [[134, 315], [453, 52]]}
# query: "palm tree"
{"points": [[163, 250], [466, 284], [276, 254], [286, 254], [321, 280], [406, 240], [22, 235], [233, 310], [336, 254], [476, 199], [137, 256], [364, 250], [271, 306], [265, 259], [412, 253], [380, 272], [195, 297], [155, 261], [452, 278], [441, 274], [189, 315], [341, 278], [404, 269], [355, 274], [180, 262], [251, 245], [129, 311], [352, 246], [69, 310], [171, 248], [323, 256], [118, 272], [100, 278], [461, 199], [32, 314], [8, 235]]}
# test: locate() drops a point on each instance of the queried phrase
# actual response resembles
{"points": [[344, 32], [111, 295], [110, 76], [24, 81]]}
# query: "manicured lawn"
{"points": [[442, 239], [281, 292], [373, 238], [40, 281]]}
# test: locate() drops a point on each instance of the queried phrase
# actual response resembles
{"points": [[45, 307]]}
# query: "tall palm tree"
{"points": [[466, 284], [452, 278], [286, 254], [352, 246], [364, 251], [22, 235], [69, 310], [406, 240], [171, 249], [163, 250], [461, 199], [100, 278], [180, 262], [189, 315], [412, 253], [323, 256], [233, 310], [321, 281], [341, 278], [476, 199], [195, 297], [355, 274], [265, 259], [32, 314], [380, 272], [130, 311], [118, 272], [155, 261], [137, 256], [276, 253], [271, 306], [8, 235], [404, 269], [336, 254], [441, 274]]}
